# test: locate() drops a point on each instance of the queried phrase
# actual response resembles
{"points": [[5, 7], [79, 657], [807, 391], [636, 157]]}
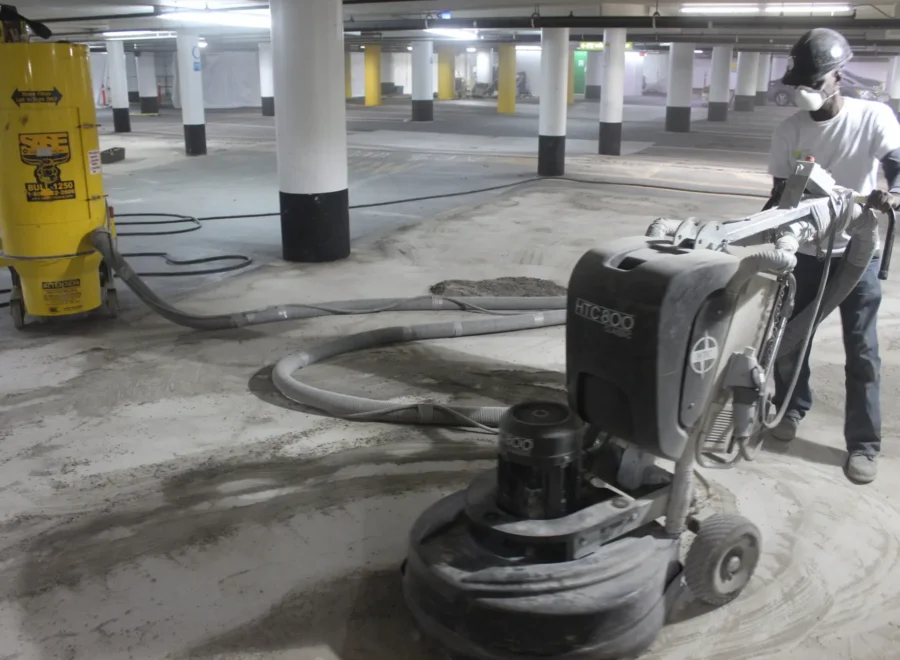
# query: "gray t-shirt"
{"points": [[849, 146]]}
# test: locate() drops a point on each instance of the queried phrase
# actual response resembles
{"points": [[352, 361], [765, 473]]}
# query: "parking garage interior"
{"points": [[163, 499]]}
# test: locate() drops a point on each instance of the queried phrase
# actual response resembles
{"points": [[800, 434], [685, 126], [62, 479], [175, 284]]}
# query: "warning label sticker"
{"points": [[46, 152], [94, 161], [62, 295]]}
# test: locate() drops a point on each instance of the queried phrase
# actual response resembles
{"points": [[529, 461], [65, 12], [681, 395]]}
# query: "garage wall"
{"points": [[358, 74], [529, 61]]}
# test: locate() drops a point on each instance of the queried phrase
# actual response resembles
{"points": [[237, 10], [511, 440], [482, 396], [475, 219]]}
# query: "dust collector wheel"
{"points": [[112, 303], [17, 311], [723, 558]]}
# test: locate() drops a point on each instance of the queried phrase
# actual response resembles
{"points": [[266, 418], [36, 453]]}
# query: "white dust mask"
{"points": [[809, 99]]}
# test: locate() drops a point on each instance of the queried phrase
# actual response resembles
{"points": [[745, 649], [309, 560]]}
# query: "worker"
{"points": [[848, 137]]}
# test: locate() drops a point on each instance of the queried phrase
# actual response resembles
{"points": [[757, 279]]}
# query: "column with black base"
{"points": [[118, 86], [593, 83], [422, 81], [893, 84], [763, 73], [553, 102], [190, 86], [310, 130], [720, 83], [745, 91], [612, 103], [681, 88], [266, 79], [147, 89]]}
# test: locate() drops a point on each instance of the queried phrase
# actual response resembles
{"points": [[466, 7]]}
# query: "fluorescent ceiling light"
{"points": [[698, 52], [451, 33], [742, 8], [409, 48], [248, 18], [470, 49], [137, 35]]}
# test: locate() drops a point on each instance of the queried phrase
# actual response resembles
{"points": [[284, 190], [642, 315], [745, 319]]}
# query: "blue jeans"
{"points": [[859, 315]]}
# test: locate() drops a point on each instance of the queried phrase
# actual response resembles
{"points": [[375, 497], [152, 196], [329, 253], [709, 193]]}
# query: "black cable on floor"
{"points": [[242, 262], [178, 219]]}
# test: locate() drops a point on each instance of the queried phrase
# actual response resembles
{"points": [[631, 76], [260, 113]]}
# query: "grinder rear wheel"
{"points": [[722, 559]]}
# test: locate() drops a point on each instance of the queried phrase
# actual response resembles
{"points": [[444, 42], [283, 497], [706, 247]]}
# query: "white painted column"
{"points": [[593, 83], [310, 129], [553, 101], [266, 79], [423, 81], [118, 83], [484, 73], [747, 72], [148, 91], [612, 102], [387, 73], [681, 88], [893, 83], [720, 83], [190, 87], [763, 73]]}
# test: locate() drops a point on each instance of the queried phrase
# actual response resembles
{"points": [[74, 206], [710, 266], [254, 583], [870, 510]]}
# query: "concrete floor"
{"points": [[161, 500]]}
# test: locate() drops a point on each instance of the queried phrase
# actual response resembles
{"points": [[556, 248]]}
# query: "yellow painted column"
{"points": [[506, 82], [446, 73], [348, 77], [571, 95], [373, 74]]}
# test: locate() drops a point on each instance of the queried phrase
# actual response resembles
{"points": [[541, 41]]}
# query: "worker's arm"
{"points": [[886, 148]]}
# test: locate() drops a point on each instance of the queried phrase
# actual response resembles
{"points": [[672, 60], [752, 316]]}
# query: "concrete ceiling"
{"points": [[87, 20]]}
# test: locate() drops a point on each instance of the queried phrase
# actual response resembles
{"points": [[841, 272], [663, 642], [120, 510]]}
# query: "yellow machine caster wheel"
{"points": [[17, 311], [111, 304]]}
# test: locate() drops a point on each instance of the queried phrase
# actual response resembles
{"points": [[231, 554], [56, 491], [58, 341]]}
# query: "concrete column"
{"points": [[555, 56], [484, 73], [893, 83], [310, 129], [594, 75], [612, 103], [373, 74], [681, 88], [506, 80], [720, 83], [147, 87], [747, 71], [118, 82], [387, 73], [266, 79], [763, 73], [422, 83], [190, 88], [446, 73]]}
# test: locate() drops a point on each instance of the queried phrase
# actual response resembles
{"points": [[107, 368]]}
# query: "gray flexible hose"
{"points": [[359, 408], [102, 240]]}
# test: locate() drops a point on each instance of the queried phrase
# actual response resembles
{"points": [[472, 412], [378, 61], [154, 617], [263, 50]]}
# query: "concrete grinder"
{"points": [[572, 547]]}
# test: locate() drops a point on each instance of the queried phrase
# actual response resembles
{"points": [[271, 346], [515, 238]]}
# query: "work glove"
{"points": [[882, 201]]}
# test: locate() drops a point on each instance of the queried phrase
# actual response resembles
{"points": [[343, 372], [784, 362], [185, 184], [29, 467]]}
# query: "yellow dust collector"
{"points": [[51, 187]]}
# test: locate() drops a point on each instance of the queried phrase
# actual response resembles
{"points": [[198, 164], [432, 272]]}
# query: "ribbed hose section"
{"points": [[359, 408], [102, 241], [662, 228]]}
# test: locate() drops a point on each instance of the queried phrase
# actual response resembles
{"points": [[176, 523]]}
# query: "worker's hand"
{"points": [[882, 201]]}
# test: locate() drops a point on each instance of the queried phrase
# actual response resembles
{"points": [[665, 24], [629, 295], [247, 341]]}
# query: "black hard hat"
{"points": [[815, 55]]}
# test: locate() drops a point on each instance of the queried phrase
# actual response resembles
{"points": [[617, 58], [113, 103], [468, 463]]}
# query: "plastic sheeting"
{"points": [[231, 79], [100, 79]]}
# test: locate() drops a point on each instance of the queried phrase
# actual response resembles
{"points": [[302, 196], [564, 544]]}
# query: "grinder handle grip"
{"points": [[885, 266]]}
